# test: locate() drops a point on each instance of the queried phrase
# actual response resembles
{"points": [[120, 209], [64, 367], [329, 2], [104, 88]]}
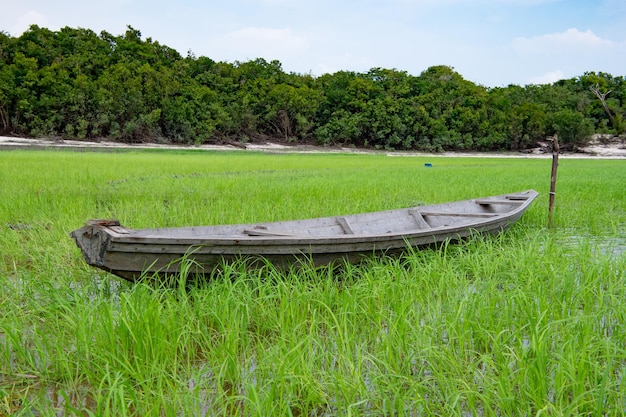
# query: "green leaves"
{"points": [[571, 126]]}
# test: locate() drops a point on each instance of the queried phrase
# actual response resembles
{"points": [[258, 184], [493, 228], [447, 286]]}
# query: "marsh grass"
{"points": [[530, 322]]}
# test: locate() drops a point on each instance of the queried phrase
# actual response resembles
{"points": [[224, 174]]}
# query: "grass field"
{"points": [[532, 322]]}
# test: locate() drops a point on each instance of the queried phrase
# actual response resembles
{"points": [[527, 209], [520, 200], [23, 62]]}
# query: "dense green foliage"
{"points": [[74, 83]]}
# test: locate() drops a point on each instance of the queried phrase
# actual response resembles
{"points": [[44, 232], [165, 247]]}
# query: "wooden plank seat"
{"points": [[443, 213], [485, 202], [264, 231], [517, 197], [347, 228], [419, 219]]}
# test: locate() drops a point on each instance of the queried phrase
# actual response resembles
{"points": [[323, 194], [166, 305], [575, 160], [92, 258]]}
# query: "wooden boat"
{"points": [[130, 253]]}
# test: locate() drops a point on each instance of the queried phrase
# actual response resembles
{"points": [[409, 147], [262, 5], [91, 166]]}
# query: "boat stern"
{"points": [[93, 240]]}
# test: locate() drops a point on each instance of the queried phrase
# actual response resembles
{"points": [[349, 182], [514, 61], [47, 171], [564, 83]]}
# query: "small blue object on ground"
{"points": [[428, 165]]}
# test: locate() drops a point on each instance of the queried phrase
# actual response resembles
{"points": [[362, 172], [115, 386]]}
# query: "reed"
{"points": [[526, 323]]}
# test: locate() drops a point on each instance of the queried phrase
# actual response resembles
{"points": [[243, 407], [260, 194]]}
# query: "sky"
{"points": [[493, 43]]}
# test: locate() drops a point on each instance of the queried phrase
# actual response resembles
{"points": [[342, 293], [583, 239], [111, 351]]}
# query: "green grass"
{"points": [[527, 323]]}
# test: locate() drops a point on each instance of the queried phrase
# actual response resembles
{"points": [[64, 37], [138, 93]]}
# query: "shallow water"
{"points": [[612, 245]]}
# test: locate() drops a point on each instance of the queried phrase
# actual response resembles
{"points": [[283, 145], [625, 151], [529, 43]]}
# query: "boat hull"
{"points": [[131, 254]]}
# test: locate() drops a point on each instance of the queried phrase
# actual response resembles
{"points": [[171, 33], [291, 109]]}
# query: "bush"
{"points": [[572, 127]]}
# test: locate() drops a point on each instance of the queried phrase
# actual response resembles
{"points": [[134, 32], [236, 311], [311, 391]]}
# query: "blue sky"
{"points": [[490, 42]]}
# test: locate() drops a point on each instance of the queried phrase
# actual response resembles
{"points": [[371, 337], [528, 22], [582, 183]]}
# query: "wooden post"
{"points": [[555, 165]]}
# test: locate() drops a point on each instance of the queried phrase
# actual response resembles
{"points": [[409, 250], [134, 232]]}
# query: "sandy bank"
{"points": [[596, 150]]}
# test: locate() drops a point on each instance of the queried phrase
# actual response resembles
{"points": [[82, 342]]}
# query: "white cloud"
{"points": [[566, 54], [255, 42], [576, 37], [548, 77], [557, 42]]}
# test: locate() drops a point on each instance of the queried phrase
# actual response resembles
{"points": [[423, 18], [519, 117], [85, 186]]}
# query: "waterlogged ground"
{"points": [[526, 323]]}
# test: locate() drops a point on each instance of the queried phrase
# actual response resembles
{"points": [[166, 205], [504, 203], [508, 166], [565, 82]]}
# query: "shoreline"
{"points": [[593, 151]]}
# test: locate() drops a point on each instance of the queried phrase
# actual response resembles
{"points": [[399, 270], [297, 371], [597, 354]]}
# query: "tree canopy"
{"points": [[74, 83]]}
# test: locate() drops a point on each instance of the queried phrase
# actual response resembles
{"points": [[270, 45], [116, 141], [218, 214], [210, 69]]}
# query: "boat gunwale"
{"points": [[482, 223]]}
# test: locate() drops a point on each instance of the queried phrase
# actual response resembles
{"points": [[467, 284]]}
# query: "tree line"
{"points": [[74, 83]]}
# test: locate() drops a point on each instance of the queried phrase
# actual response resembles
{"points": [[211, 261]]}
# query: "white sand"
{"points": [[596, 150]]}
